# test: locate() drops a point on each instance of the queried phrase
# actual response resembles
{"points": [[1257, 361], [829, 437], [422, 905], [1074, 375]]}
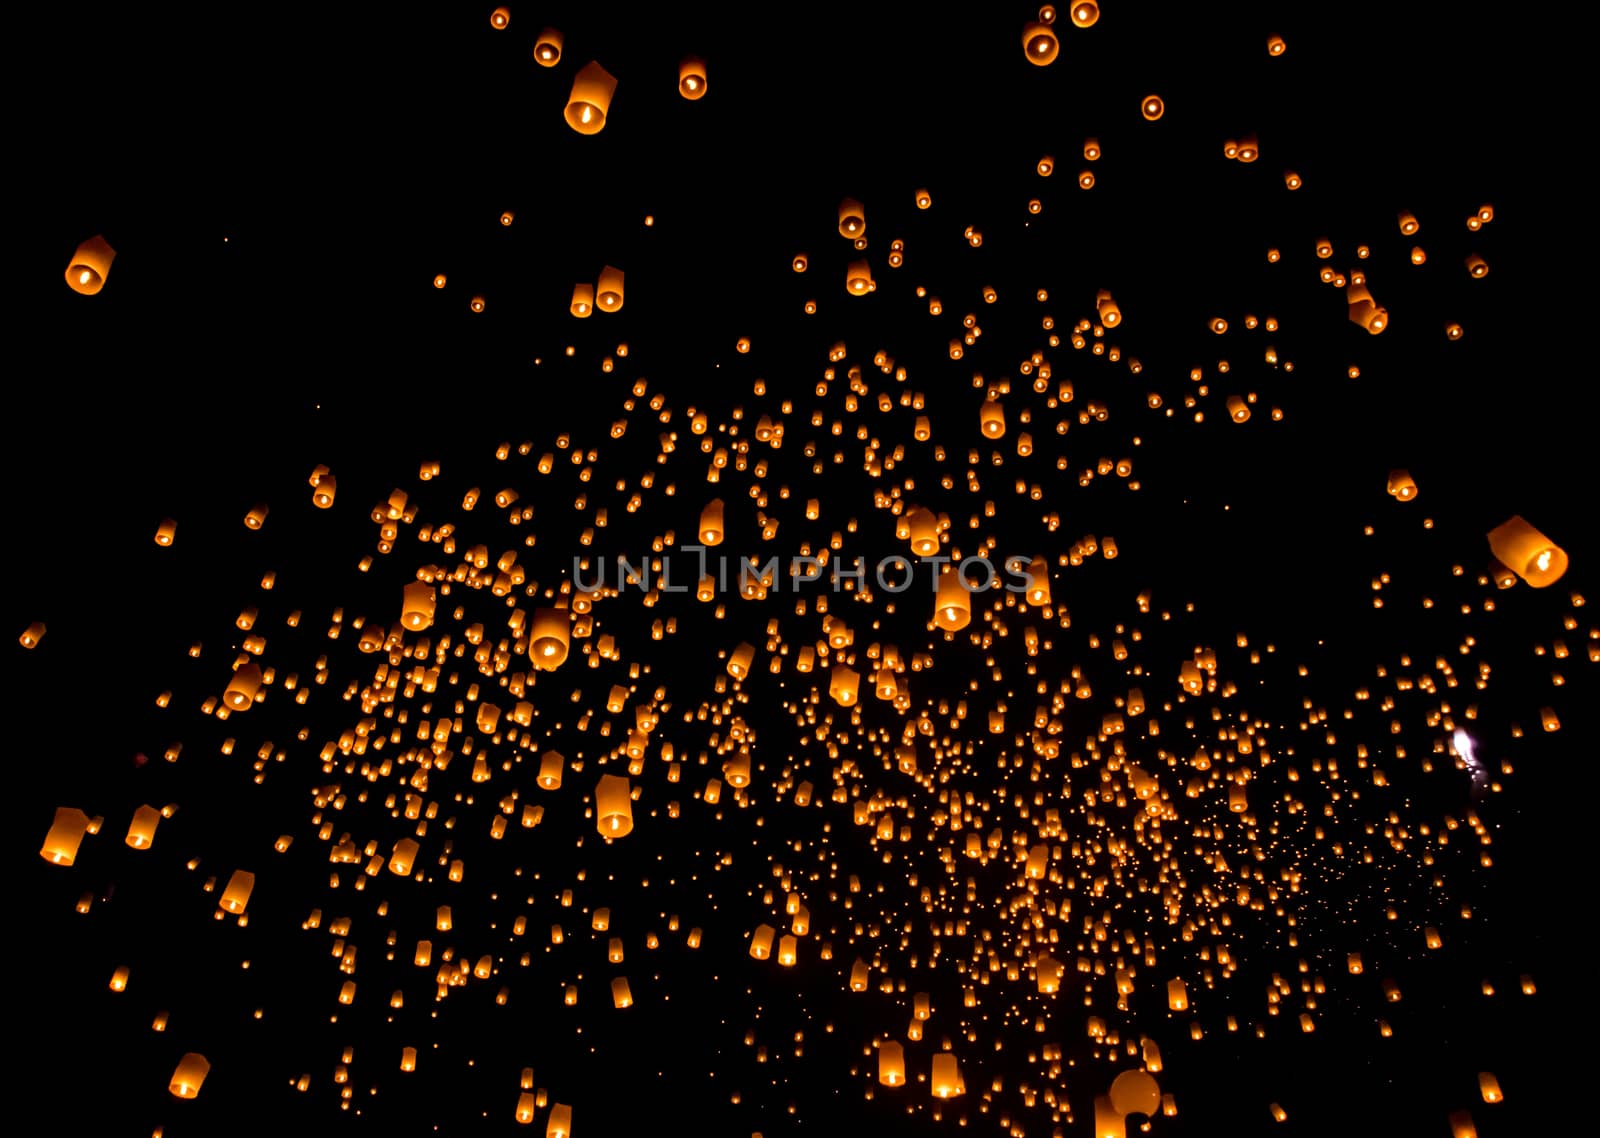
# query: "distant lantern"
{"points": [[1408, 223], [440, 280], [590, 100], [86, 272], [1489, 1087], [761, 941], [992, 419], [1528, 553], [257, 517], [608, 292], [547, 48], [190, 1074], [844, 684], [507, 217], [237, 894], [500, 18], [550, 638], [166, 532], [858, 278], [66, 833], [1152, 108], [946, 1081], [1401, 485], [711, 530], [408, 1058], [1039, 44], [477, 303], [32, 635], [1477, 267], [1275, 45], [891, 1064], [323, 493], [142, 830], [1084, 13], [924, 199], [582, 301], [852, 219], [953, 604], [613, 806], [550, 764], [416, 606], [1238, 409], [242, 687], [692, 78]]}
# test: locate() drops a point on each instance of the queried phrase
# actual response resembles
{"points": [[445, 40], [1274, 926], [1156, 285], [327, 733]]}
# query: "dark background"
{"points": [[281, 187]]}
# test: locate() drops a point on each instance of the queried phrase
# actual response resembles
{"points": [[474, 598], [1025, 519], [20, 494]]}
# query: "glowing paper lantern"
{"points": [[237, 895], [891, 1064], [189, 1075], [65, 835], [1527, 552], [242, 687], [1135, 1092], [560, 1124], [582, 305], [843, 684], [852, 219], [1401, 486], [946, 1079], [711, 530], [1085, 13], [142, 830], [1152, 108], [608, 291], [953, 604], [692, 78], [86, 272], [549, 638], [500, 18], [166, 532], [613, 806], [547, 48], [416, 607], [590, 99], [1039, 43]]}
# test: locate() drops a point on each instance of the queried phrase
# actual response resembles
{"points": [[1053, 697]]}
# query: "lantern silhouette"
{"points": [[189, 1075], [65, 835], [590, 99], [1527, 552], [692, 78], [613, 806], [90, 264]]}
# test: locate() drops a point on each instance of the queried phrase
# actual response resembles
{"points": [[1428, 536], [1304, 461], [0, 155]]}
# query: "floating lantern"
{"points": [[547, 48], [90, 264], [1528, 553], [891, 1064], [590, 99], [613, 806], [1039, 43], [852, 219], [65, 835], [946, 1080], [608, 291], [416, 606], [190, 1074], [692, 78], [711, 531], [142, 830], [953, 604], [1401, 486]]}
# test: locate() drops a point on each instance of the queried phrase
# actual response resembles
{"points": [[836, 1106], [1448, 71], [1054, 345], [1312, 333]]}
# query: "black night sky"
{"points": [[282, 185]]}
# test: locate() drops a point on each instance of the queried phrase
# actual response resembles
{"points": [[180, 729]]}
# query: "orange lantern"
{"points": [[590, 100], [90, 264]]}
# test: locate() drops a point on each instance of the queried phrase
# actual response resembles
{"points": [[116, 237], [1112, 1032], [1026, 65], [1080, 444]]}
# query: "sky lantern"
{"points": [[852, 219], [953, 604], [1152, 108], [237, 895], [843, 684], [90, 265], [1527, 552], [560, 1124], [191, 1072], [549, 637], [590, 100], [416, 607], [608, 290], [891, 1063], [711, 529], [692, 78], [1084, 13], [1135, 1092], [946, 1082], [500, 18], [142, 830], [243, 686], [1039, 43], [1402, 487], [66, 832], [613, 806], [547, 48]]}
